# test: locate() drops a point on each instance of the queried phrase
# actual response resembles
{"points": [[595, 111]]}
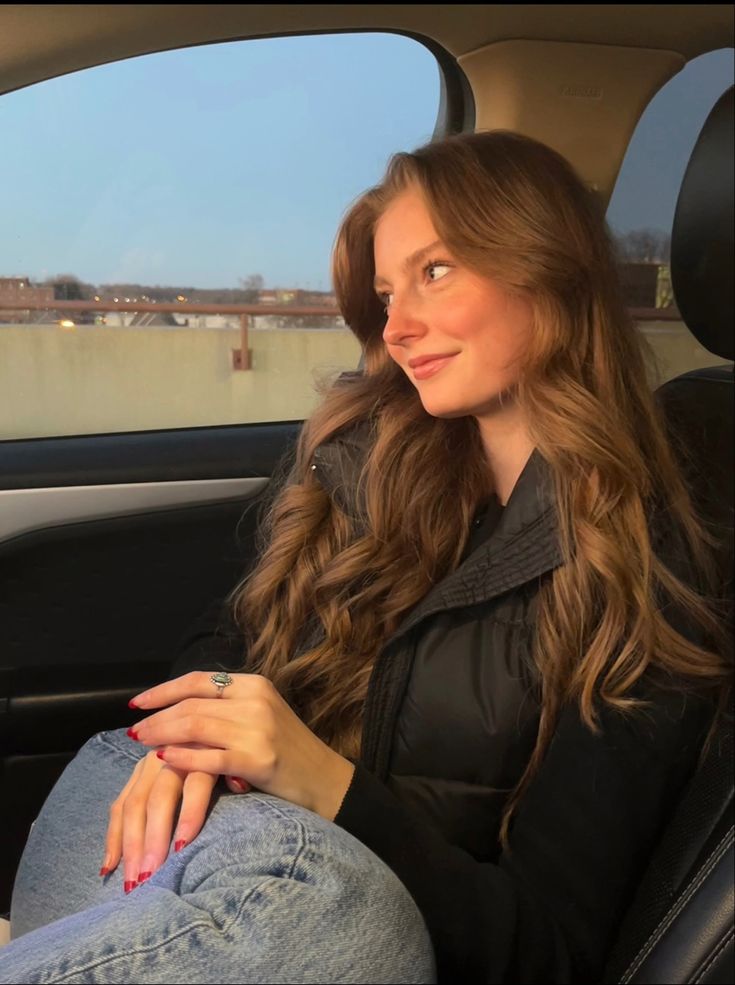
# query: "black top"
{"points": [[543, 913], [486, 519]]}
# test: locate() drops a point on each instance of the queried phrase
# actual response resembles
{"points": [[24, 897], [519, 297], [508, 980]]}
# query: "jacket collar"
{"points": [[523, 546]]}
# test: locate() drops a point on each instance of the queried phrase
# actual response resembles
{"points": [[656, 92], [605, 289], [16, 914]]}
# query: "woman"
{"points": [[477, 660]]}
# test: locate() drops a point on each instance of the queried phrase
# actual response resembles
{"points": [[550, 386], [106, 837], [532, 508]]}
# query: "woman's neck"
{"points": [[507, 449]]}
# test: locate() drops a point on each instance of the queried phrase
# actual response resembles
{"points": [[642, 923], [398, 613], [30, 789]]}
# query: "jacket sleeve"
{"points": [[549, 909]]}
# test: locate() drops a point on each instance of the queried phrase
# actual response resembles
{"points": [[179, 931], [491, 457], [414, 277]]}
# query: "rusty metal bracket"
{"points": [[242, 358]]}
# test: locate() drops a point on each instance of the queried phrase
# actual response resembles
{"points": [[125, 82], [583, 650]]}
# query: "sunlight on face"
{"points": [[437, 307]]}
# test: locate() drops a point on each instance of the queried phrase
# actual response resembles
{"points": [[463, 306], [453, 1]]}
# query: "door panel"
{"points": [[25, 510], [112, 547]]}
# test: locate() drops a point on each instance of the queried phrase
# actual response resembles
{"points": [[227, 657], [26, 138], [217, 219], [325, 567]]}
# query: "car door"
{"points": [[110, 548], [139, 423]]}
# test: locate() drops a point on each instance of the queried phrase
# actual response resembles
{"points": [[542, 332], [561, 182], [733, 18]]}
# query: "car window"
{"points": [[641, 210], [175, 184]]}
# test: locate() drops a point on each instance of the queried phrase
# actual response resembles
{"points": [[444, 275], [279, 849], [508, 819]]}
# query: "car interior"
{"points": [[98, 588]]}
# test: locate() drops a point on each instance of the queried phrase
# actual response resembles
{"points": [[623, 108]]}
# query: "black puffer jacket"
{"points": [[452, 687], [450, 721]]}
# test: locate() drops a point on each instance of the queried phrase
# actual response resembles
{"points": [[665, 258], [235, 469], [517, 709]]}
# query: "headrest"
{"points": [[702, 235]]}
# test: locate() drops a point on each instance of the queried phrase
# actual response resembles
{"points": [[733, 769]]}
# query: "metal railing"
{"points": [[242, 357]]}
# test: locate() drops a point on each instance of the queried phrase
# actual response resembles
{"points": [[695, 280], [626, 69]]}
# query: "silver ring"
{"points": [[221, 680]]}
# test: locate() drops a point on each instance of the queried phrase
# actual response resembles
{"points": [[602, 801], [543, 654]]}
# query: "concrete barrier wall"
{"points": [[96, 379], [99, 379]]}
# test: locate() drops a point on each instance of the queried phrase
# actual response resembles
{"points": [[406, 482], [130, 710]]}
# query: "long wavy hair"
{"points": [[329, 588]]}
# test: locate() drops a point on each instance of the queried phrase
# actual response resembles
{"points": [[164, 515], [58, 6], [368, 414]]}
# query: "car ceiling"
{"points": [[41, 41]]}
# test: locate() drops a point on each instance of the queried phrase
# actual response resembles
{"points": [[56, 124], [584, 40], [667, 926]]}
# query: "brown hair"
{"points": [[328, 590]]}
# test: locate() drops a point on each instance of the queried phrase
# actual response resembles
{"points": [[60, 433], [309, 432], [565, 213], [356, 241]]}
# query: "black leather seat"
{"points": [[680, 927]]}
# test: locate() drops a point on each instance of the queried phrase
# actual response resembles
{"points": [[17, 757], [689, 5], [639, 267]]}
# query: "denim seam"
{"points": [[101, 736], [299, 824], [82, 969]]}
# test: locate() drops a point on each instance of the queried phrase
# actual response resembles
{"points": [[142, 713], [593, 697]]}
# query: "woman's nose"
{"points": [[401, 325]]}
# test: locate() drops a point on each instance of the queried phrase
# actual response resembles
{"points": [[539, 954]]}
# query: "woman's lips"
{"points": [[425, 370]]}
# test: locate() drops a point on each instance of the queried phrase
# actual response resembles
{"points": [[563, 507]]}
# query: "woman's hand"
{"points": [[142, 817], [249, 732]]}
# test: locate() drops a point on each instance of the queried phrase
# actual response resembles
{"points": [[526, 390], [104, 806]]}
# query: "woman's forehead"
{"points": [[403, 228]]}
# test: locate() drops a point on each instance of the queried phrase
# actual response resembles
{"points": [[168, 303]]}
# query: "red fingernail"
{"points": [[130, 885], [132, 704], [104, 870], [179, 845], [142, 876], [133, 734], [160, 753], [238, 783]]}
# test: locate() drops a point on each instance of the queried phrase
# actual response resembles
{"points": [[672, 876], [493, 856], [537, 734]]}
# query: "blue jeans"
{"points": [[267, 892]]}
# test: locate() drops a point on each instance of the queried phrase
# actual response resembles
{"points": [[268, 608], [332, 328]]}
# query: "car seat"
{"points": [[679, 927]]}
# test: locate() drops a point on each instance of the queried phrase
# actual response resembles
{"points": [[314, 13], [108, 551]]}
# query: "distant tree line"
{"points": [[644, 246], [68, 287], [635, 246]]}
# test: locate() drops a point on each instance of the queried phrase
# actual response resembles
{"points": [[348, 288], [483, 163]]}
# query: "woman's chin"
{"points": [[446, 408], [496, 406]]}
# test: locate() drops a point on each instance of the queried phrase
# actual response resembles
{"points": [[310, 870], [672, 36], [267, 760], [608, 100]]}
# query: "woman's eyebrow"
{"points": [[411, 261]]}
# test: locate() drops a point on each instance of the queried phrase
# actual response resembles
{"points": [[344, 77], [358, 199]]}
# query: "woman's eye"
{"points": [[385, 296], [436, 265]]}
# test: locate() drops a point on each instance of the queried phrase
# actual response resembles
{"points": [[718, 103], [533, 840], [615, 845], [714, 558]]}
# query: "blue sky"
{"points": [[203, 166]]}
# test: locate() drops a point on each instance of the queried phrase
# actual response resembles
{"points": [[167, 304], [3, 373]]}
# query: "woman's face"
{"points": [[436, 306]]}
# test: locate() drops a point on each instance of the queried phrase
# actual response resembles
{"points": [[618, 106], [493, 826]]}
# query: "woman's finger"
{"points": [[238, 784], [163, 801], [196, 798], [202, 759], [215, 731], [195, 684], [191, 708], [134, 817], [113, 837]]}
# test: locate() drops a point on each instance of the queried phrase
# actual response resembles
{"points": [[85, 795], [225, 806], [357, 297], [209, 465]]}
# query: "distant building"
{"points": [[19, 289], [298, 297], [318, 299]]}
